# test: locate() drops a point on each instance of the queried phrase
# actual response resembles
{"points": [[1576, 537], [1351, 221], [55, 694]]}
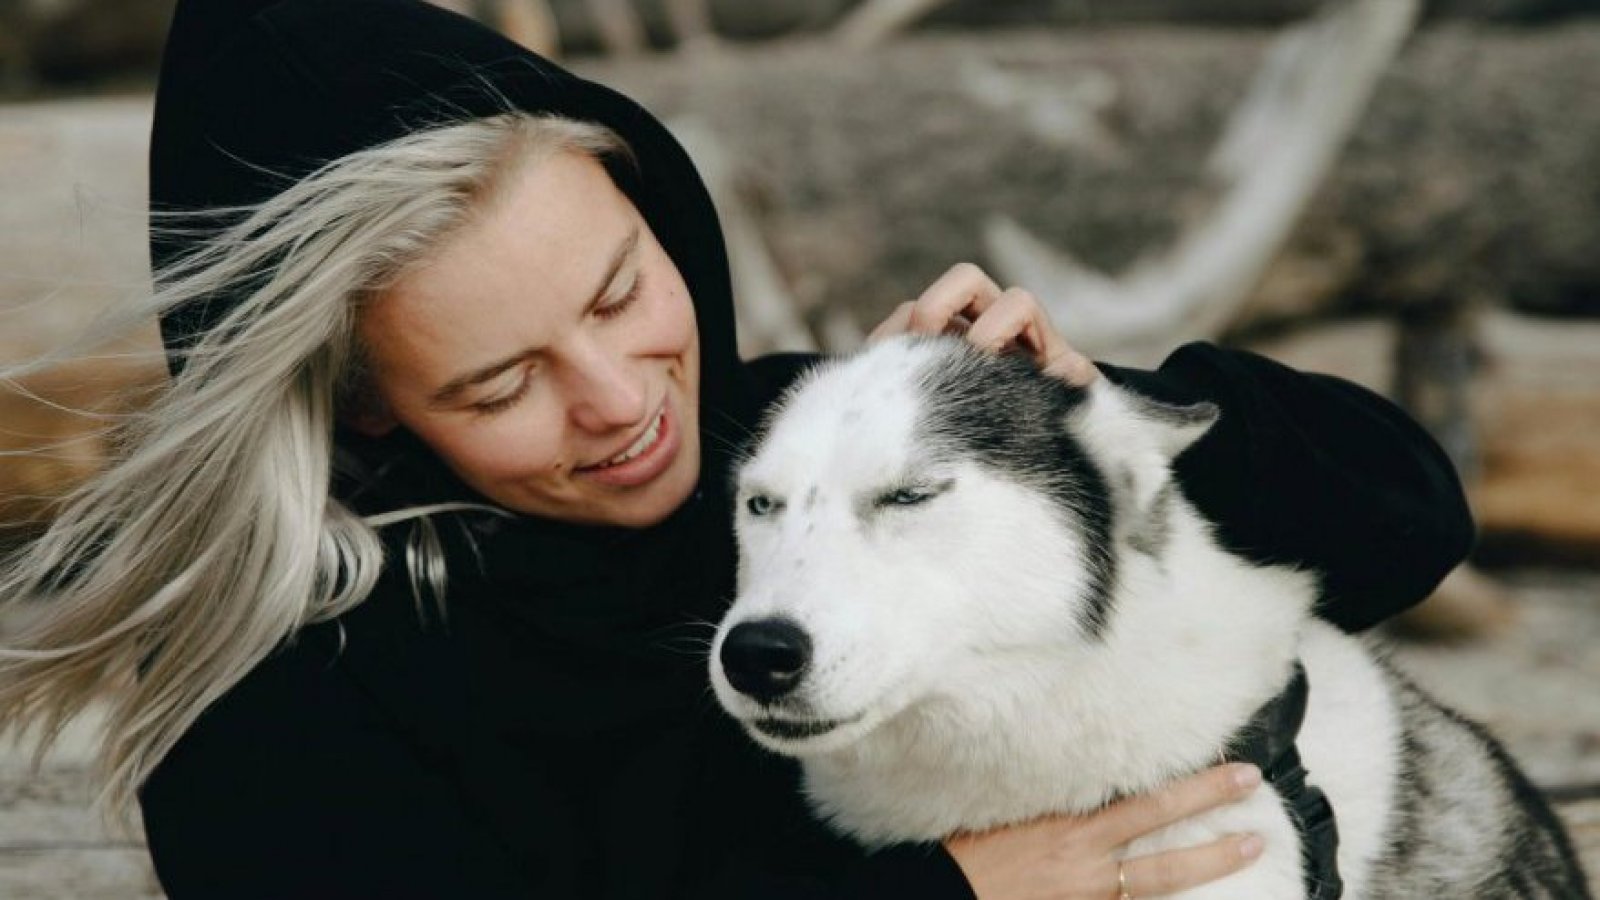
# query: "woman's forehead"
{"points": [[528, 260]]}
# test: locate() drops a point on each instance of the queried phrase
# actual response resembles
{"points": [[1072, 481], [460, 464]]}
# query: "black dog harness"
{"points": [[1267, 740]]}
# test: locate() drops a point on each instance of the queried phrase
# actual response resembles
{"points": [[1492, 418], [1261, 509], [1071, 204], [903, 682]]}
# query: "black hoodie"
{"points": [[554, 736]]}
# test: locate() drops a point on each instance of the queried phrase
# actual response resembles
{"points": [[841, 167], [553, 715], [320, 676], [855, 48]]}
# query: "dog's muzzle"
{"points": [[766, 659]]}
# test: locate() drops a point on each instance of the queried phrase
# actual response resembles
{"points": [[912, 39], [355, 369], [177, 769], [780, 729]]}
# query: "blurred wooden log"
{"points": [[1435, 365], [1536, 412], [1539, 420], [73, 41], [71, 242], [529, 23], [1469, 605], [874, 21], [1274, 153], [691, 22], [1229, 12], [771, 18], [1475, 171], [56, 430], [620, 28], [769, 317], [80, 40], [72, 219]]}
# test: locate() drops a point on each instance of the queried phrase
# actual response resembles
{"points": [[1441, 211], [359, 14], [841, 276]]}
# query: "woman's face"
{"points": [[547, 353]]}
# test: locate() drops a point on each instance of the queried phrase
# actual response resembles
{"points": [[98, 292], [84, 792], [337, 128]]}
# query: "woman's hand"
{"points": [[966, 300], [1077, 857]]}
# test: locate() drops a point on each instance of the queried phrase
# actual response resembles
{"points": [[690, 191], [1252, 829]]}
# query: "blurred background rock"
{"points": [[1446, 253]]}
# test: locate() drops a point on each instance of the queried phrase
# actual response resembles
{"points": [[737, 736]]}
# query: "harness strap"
{"points": [[1267, 740]]}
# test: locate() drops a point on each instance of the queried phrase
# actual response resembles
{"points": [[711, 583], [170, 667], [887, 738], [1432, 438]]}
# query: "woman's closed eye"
{"points": [[506, 399], [620, 305], [509, 397]]}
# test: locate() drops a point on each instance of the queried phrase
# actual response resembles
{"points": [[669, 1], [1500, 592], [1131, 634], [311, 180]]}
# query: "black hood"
{"points": [[255, 94]]}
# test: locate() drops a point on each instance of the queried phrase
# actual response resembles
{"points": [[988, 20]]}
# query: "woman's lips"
{"points": [[651, 461]]}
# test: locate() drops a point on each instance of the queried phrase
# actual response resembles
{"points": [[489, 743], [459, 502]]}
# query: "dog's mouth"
{"points": [[799, 729]]}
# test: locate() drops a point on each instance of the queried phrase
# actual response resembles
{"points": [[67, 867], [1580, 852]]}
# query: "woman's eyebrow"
{"points": [[456, 385], [624, 250]]}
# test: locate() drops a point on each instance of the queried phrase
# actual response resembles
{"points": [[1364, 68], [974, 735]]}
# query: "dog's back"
{"points": [[972, 595], [1465, 821]]}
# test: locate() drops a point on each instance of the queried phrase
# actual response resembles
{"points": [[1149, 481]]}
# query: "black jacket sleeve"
{"points": [[1313, 470]]}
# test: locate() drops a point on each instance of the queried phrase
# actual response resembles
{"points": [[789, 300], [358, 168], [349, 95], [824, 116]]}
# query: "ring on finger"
{"points": [[1123, 891]]}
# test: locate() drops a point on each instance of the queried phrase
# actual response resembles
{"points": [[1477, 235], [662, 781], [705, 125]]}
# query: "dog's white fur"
{"points": [[953, 630]]}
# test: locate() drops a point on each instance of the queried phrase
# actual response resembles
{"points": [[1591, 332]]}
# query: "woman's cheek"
{"points": [[510, 446], [522, 446]]}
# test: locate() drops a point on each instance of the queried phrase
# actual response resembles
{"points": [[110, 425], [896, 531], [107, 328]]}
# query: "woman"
{"points": [[401, 588]]}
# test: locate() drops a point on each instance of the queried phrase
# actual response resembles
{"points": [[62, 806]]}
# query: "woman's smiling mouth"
{"points": [[647, 457], [644, 442]]}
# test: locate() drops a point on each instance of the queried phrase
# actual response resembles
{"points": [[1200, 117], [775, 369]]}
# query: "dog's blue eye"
{"points": [[904, 497], [760, 505]]}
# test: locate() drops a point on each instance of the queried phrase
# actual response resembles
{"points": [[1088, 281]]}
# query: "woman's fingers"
{"points": [[1076, 857], [965, 290], [899, 322], [1018, 320], [1009, 321], [1160, 874], [965, 300], [1135, 817], [950, 304]]}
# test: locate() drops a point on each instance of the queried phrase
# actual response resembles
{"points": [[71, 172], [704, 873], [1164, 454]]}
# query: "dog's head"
{"points": [[919, 513]]}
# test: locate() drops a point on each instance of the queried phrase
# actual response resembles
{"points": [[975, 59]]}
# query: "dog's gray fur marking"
{"points": [[1458, 790], [1153, 531], [1193, 414], [1000, 411]]}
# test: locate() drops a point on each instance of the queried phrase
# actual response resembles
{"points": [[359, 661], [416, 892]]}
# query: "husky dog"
{"points": [[972, 595]]}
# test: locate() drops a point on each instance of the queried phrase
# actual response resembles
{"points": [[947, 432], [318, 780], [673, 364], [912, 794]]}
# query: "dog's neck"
{"points": [[1197, 641]]}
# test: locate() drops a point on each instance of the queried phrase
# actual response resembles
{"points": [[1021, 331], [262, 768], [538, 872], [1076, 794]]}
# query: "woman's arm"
{"points": [[1316, 471], [1302, 469], [1054, 858]]}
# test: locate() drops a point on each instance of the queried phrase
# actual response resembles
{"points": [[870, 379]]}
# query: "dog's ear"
{"points": [[1135, 439], [1176, 427], [1123, 424]]}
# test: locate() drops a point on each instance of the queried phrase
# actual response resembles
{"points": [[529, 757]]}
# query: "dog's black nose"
{"points": [[765, 659]]}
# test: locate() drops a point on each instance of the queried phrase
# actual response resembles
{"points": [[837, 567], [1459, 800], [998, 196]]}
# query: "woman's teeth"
{"points": [[645, 442]]}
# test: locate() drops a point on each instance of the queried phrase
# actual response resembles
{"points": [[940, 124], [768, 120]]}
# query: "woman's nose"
{"points": [[607, 393]]}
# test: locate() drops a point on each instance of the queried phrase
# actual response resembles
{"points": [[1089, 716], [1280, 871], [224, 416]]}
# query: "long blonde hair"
{"points": [[210, 537]]}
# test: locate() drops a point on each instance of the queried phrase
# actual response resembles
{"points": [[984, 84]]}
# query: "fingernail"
{"points": [[1251, 847], [1247, 776]]}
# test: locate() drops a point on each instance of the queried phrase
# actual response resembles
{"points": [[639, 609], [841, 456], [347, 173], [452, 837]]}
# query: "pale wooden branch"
{"points": [[766, 309], [621, 30], [874, 21], [691, 23], [839, 330], [531, 24], [1071, 115], [1278, 146]]}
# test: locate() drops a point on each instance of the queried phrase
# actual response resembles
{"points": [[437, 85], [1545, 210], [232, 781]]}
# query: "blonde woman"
{"points": [[401, 587]]}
